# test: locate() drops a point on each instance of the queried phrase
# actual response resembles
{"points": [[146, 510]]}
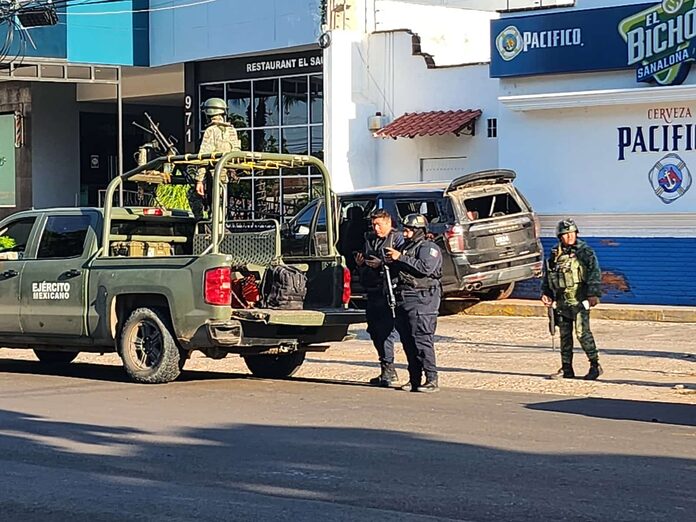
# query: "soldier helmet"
{"points": [[566, 225], [214, 106], [415, 221]]}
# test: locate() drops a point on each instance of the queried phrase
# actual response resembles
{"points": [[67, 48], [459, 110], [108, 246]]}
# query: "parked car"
{"points": [[481, 221]]}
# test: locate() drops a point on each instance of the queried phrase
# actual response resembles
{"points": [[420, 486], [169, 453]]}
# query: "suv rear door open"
{"points": [[498, 229]]}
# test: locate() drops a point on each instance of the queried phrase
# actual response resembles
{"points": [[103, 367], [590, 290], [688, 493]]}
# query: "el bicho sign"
{"points": [[657, 39]]}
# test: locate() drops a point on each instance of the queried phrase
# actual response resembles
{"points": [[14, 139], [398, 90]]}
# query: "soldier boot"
{"points": [[387, 377], [565, 372], [430, 386], [595, 371]]}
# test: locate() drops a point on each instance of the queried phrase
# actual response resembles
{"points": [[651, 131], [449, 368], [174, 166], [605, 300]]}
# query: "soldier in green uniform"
{"points": [[572, 283], [219, 136]]}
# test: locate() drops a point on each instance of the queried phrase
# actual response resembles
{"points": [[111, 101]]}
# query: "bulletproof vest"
{"points": [[566, 272], [419, 283]]}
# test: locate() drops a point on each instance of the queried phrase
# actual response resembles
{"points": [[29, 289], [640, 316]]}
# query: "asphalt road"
{"points": [[83, 444]]}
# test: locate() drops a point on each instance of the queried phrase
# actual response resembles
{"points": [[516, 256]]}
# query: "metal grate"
{"points": [[255, 247]]}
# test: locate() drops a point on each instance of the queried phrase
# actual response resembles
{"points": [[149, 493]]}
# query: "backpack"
{"points": [[284, 287]]}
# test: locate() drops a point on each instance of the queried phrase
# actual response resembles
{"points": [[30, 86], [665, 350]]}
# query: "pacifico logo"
{"points": [[661, 40], [510, 42]]}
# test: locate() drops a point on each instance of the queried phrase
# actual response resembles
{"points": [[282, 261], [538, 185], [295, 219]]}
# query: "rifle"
{"points": [[164, 144], [551, 312], [391, 300]]}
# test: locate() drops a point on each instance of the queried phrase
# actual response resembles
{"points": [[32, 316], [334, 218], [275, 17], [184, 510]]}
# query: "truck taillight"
{"points": [[454, 237], [217, 286], [345, 298], [153, 212]]}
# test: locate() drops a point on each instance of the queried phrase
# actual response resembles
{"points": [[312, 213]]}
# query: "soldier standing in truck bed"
{"points": [[219, 137]]}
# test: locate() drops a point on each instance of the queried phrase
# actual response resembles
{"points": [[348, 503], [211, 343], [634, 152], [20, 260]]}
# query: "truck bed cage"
{"points": [[173, 169]]}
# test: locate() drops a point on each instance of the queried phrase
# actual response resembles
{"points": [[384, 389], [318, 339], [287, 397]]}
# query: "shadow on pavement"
{"points": [[272, 472], [618, 409]]}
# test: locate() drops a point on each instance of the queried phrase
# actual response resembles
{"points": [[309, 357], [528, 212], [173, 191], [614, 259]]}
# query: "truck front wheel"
{"points": [[148, 350], [51, 357], [274, 366]]}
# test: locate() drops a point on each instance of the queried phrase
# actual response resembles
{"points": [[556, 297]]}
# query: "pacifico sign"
{"points": [[657, 39], [661, 41]]}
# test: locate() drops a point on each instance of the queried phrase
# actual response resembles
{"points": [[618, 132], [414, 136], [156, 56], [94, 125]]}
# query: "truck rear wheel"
{"points": [[148, 350], [52, 357], [274, 366]]}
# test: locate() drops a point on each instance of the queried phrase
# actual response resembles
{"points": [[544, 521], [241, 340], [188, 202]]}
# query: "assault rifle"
{"points": [[551, 311], [161, 143], [391, 300]]}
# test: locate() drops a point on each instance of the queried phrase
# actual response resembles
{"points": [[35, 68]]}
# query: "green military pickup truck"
{"points": [[153, 284]]}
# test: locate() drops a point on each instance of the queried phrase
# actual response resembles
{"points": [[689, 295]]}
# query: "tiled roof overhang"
{"points": [[434, 123]]}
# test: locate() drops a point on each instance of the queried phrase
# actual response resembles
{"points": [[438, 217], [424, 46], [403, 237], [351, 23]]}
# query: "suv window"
{"points": [[491, 205], [427, 207], [63, 236], [19, 232]]}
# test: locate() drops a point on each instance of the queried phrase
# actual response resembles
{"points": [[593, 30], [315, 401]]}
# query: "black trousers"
{"points": [[416, 320], [380, 327]]}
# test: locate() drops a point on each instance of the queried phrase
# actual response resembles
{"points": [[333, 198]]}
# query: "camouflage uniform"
{"points": [[219, 137], [572, 275]]}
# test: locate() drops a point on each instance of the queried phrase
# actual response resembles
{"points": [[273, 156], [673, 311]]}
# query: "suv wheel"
{"points": [[497, 293]]}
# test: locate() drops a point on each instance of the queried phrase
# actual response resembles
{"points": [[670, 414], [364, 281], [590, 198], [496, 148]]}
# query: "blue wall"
{"points": [[658, 271], [230, 27], [111, 33]]}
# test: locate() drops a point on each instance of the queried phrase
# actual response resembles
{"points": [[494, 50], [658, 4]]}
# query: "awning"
{"points": [[434, 123]]}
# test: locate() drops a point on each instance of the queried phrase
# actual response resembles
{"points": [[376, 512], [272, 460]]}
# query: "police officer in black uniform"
{"points": [[418, 293], [379, 314]]}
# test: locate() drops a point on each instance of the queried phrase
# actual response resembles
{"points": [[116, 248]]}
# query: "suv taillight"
{"points": [[345, 297], [454, 236], [217, 286], [537, 225]]}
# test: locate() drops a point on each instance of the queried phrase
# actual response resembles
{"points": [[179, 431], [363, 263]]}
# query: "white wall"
{"points": [[55, 145], [450, 35], [364, 75], [567, 160]]}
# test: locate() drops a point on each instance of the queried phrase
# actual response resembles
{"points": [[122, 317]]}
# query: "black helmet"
{"points": [[565, 226], [415, 221], [214, 106]]}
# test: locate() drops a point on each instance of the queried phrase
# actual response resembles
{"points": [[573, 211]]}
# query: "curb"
{"points": [[526, 308]]}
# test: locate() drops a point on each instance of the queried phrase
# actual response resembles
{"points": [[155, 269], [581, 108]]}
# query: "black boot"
{"points": [[565, 372], [595, 371], [387, 377], [430, 385]]}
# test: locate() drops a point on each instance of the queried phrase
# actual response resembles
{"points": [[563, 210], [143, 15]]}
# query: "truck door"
{"points": [[17, 233], [53, 284]]}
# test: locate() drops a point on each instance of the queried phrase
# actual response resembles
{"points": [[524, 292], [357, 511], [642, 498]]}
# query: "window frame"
{"points": [[91, 225]]}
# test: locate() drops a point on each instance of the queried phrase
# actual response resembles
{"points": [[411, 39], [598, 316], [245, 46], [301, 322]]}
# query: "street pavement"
{"points": [[82, 444]]}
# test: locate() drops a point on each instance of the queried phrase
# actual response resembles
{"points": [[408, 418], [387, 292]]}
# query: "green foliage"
{"points": [[173, 196], [7, 243]]}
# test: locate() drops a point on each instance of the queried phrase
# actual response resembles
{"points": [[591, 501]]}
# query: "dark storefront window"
{"points": [[294, 100], [273, 115], [265, 103]]}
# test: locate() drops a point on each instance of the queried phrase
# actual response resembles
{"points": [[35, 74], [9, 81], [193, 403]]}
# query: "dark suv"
{"points": [[483, 223]]}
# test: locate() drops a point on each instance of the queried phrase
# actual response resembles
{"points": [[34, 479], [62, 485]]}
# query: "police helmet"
{"points": [[565, 226], [214, 107], [415, 221]]}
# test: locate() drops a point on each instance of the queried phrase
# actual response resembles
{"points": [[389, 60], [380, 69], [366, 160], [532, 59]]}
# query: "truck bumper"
{"points": [[256, 328]]}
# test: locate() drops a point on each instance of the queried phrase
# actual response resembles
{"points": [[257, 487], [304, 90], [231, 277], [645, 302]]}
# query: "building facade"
{"points": [[597, 116]]}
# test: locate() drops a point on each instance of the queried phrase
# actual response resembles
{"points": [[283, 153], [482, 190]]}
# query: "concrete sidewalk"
{"points": [[617, 312]]}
